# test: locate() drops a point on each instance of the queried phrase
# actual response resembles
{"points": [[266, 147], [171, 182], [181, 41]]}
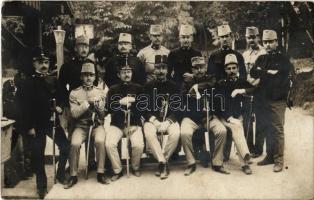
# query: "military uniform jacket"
{"points": [[36, 94], [233, 106], [156, 106], [70, 74], [112, 67], [195, 108], [147, 57], [272, 87], [115, 94], [82, 111], [179, 62], [216, 63]]}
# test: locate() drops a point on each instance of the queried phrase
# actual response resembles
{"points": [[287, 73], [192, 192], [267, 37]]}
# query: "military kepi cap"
{"points": [[125, 37], [251, 30], [82, 39], [155, 29], [198, 60], [223, 30], [161, 60], [231, 59], [88, 67], [39, 54], [186, 30], [269, 35]]}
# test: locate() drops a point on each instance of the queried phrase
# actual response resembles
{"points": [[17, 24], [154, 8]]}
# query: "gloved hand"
{"points": [[32, 132], [272, 72], [187, 77], [127, 101], [197, 93], [164, 126], [58, 110], [233, 120], [235, 92]]}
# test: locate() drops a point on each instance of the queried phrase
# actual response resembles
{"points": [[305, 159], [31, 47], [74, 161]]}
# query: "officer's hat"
{"points": [[161, 60], [155, 29], [125, 37], [196, 61], [186, 30], [230, 59], [82, 39], [251, 30], [223, 30], [269, 35], [88, 67], [39, 54]]}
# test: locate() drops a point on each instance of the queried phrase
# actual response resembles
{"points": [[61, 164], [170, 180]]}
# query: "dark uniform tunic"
{"points": [[179, 62], [216, 63], [116, 93], [112, 67], [37, 93], [271, 96]]}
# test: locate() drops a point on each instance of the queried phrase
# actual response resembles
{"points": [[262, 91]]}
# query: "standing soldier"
{"points": [[216, 66], [274, 70], [69, 79], [121, 99], [179, 60], [147, 54], [38, 93], [85, 101], [233, 89], [122, 57], [216, 60], [161, 118], [254, 49], [195, 117]]}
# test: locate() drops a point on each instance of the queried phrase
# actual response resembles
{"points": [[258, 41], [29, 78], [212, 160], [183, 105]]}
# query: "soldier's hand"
{"points": [[188, 77], [157, 123], [235, 92], [233, 120], [32, 132], [126, 101], [272, 72], [58, 110], [164, 126]]}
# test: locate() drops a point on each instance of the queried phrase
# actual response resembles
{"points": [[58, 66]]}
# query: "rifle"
{"points": [[54, 117], [88, 143], [251, 97], [207, 125], [125, 141]]}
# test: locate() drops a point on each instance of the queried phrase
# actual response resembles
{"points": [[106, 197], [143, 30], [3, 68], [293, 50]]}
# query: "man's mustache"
{"points": [[44, 68]]}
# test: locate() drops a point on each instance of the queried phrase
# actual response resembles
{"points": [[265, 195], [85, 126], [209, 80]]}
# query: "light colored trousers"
{"points": [[238, 138], [188, 127], [173, 132], [78, 137], [114, 135]]}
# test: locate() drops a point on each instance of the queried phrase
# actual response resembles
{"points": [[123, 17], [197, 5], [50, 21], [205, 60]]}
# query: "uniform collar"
{"points": [[185, 48], [88, 88], [39, 74], [155, 47]]}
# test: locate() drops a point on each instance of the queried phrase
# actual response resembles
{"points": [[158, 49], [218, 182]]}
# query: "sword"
{"points": [[53, 140], [88, 143], [165, 105]]}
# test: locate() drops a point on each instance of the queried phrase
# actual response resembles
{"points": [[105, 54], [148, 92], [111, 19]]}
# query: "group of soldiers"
{"points": [[218, 101]]}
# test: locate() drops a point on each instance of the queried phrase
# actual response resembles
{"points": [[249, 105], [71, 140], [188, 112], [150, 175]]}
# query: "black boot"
{"points": [[102, 179], [266, 161], [71, 182], [190, 169]]}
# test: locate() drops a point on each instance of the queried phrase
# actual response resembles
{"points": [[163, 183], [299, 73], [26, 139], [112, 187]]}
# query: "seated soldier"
{"points": [[121, 99], [84, 101], [233, 88], [160, 117], [195, 117]]}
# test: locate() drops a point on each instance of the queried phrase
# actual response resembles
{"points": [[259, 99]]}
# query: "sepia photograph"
{"points": [[157, 99]]}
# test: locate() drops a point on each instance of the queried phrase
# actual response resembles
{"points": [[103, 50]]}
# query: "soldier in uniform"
{"points": [[121, 99], [233, 89], [147, 54], [216, 60], [85, 101], [216, 66], [273, 69], [195, 117], [37, 93], [69, 79], [253, 51], [122, 57], [179, 60], [160, 117]]}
